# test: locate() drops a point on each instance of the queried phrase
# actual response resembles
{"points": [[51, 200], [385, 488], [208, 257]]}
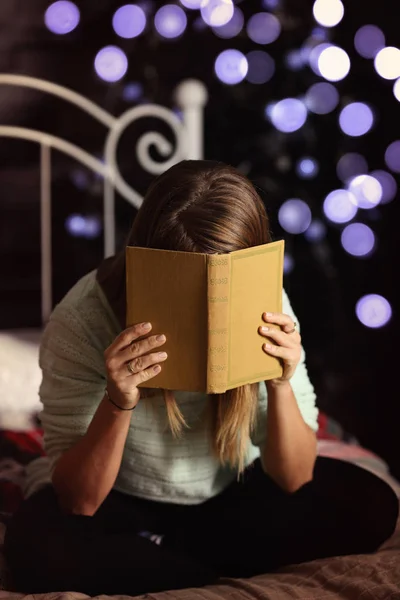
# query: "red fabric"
{"points": [[323, 428]]}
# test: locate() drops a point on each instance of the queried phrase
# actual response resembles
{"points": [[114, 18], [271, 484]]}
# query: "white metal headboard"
{"points": [[190, 96]]}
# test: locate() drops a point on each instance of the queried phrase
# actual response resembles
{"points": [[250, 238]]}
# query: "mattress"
{"points": [[361, 577]]}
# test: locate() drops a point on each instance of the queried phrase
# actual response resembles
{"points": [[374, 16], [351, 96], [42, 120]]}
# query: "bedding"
{"points": [[365, 577]]}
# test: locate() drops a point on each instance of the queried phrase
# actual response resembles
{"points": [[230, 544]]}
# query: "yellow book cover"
{"points": [[210, 307]]}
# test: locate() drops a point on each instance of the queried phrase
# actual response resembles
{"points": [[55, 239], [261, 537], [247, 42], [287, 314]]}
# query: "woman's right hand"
{"points": [[129, 361]]}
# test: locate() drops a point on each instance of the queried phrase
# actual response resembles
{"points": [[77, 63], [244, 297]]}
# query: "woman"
{"points": [[124, 504]]}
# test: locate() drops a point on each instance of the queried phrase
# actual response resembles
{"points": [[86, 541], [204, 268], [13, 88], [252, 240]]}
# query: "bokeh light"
{"points": [[288, 263], [358, 239], [356, 119], [387, 62], [129, 21], [392, 156], [191, 4], [373, 310], [328, 13], [233, 27], [312, 51], [307, 167], [334, 63], [294, 216], [340, 206], [111, 63], [132, 91], [231, 66], [320, 34], [322, 98], [388, 185], [316, 231], [288, 115], [263, 28], [350, 165], [261, 67], [366, 190], [368, 40], [271, 4], [170, 21], [62, 17], [295, 60], [84, 226], [80, 179], [217, 13], [396, 89]]}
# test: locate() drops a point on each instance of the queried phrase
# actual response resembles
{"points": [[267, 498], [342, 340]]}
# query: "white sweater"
{"points": [[155, 465]]}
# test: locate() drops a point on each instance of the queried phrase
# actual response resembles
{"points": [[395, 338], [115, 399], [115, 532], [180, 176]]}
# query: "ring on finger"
{"points": [[130, 368], [292, 330]]}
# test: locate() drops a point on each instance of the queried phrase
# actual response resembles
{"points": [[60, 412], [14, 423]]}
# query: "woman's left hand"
{"points": [[287, 340]]}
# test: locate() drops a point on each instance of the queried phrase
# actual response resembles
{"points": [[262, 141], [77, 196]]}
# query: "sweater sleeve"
{"points": [[73, 381], [301, 385]]}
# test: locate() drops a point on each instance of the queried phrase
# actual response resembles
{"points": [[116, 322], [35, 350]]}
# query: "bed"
{"points": [[368, 577]]}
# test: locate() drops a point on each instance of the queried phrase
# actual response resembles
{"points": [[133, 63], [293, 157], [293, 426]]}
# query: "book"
{"points": [[209, 306]]}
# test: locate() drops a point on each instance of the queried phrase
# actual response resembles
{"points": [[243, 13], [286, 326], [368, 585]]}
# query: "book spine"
{"points": [[218, 289]]}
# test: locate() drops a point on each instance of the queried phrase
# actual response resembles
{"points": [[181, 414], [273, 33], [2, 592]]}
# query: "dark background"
{"points": [[354, 368]]}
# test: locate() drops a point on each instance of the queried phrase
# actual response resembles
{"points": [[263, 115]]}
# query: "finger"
{"points": [[127, 336], [285, 321], [141, 363], [140, 347], [280, 337], [145, 375], [288, 355]]}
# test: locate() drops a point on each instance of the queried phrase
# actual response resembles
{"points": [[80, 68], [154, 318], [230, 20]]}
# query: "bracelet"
{"points": [[112, 402]]}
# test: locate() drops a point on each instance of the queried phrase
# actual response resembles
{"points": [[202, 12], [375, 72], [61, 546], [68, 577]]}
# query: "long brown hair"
{"points": [[206, 206]]}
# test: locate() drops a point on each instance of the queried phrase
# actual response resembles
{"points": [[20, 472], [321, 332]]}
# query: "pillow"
{"points": [[20, 377]]}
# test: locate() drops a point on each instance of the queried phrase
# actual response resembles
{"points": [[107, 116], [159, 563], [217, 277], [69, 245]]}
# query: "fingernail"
{"points": [[264, 329], [157, 369], [268, 314], [146, 326], [160, 338], [162, 355], [267, 346]]}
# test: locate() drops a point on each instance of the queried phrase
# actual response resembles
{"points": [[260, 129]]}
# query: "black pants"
{"points": [[252, 527]]}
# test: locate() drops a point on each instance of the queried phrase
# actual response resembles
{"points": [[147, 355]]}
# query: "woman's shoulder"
{"points": [[84, 291], [86, 299], [83, 315]]}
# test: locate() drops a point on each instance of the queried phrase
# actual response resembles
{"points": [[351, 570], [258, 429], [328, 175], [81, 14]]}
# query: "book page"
{"points": [[256, 287], [169, 289]]}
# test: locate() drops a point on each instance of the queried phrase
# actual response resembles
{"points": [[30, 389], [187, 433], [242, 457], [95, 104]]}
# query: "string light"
{"points": [[231, 66], [340, 206], [233, 27], [373, 310], [328, 13], [388, 185], [288, 115], [387, 62], [217, 13], [111, 63], [62, 17], [263, 28], [322, 98], [129, 21], [294, 216], [392, 156], [358, 239], [356, 119], [261, 67], [170, 21], [368, 40]]}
